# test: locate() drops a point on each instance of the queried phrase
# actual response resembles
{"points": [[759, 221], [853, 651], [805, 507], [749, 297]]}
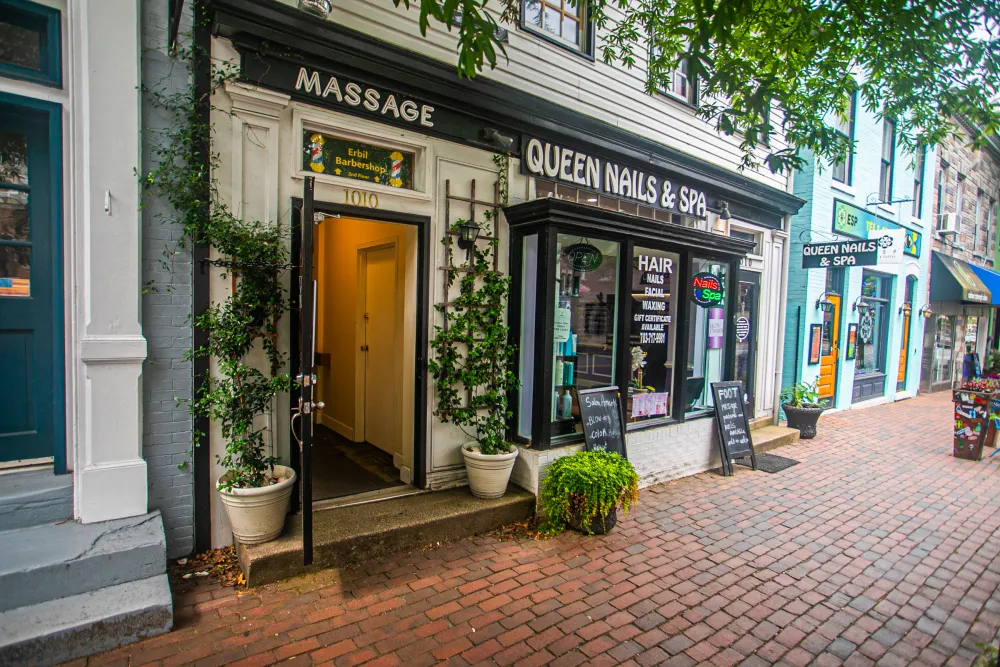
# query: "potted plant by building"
{"points": [[585, 490], [802, 408], [471, 367], [255, 490]]}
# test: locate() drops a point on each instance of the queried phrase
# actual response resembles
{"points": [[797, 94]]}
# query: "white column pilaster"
{"points": [[108, 347]]}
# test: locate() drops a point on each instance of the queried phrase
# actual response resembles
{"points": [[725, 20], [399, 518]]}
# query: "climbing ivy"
{"points": [[252, 255], [473, 353]]}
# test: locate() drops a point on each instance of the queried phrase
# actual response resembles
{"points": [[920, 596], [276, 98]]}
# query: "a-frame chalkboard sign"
{"points": [[734, 428], [603, 420]]}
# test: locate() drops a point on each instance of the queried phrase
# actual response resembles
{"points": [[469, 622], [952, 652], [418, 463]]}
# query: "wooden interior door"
{"points": [[381, 351], [830, 351]]}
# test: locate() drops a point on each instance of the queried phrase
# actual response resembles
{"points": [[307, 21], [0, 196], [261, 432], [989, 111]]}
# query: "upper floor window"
{"points": [[30, 46], [563, 21], [918, 181], [942, 189], [845, 128], [978, 226], [888, 159], [677, 81]]}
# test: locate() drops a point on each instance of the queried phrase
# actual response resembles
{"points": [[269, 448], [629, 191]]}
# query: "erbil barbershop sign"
{"points": [[589, 172]]}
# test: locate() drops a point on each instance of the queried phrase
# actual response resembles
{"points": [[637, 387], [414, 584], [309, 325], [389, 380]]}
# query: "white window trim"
{"points": [[843, 187]]}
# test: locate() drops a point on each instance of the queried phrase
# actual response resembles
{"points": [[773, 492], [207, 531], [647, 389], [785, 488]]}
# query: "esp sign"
{"points": [[842, 253]]}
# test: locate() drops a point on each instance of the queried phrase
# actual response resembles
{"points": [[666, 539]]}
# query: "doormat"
{"points": [[769, 462]]}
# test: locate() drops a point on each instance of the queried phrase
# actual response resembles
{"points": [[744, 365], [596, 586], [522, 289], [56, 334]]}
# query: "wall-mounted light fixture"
{"points": [[724, 210], [861, 306], [502, 141], [824, 303], [905, 309], [926, 311], [321, 8], [468, 232]]}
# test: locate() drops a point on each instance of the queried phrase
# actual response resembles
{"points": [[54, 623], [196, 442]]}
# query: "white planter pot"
{"points": [[258, 515], [488, 473]]}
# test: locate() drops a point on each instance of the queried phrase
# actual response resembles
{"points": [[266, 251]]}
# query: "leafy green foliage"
{"points": [[473, 355], [922, 63], [988, 656], [992, 364], [253, 254], [801, 395], [587, 485]]}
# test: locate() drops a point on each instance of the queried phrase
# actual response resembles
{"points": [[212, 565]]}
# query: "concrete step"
{"points": [[359, 533], [34, 498], [759, 423], [62, 630], [61, 560], [772, 437]]}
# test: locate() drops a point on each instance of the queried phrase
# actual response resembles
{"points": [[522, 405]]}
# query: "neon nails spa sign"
{"points": [[559, 163]]}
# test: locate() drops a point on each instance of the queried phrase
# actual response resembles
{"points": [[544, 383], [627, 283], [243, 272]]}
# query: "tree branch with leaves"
{"points": [[922, 64]]}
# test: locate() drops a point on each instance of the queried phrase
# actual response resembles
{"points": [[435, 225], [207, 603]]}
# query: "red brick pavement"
{"points": [[878, 547]]}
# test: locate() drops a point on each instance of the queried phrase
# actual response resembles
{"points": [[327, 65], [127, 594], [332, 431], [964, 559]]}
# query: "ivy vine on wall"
{"points": [[473, 354], [252, 254]]}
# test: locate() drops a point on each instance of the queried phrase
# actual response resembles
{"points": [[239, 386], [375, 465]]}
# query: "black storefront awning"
{"points": [[954, 280]]}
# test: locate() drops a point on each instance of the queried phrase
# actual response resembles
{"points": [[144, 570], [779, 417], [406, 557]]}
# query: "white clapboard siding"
{"points": [[610, 93]]}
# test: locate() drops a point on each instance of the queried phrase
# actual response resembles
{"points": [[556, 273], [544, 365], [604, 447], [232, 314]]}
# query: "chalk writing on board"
{"points": [[734, 431], [600, 413]]}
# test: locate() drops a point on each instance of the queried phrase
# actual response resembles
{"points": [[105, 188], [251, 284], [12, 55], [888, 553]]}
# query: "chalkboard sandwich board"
{"points": [[734, 429], [601, 414]]}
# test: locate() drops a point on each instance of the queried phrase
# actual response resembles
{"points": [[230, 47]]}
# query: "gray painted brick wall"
{"points": [[166, 306]]}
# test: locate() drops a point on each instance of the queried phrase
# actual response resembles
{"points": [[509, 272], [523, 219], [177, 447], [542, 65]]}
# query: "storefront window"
{"points": [[583, 324], [943, 344], [526, 345], [872, 328], [707, 333], [652, 338]]}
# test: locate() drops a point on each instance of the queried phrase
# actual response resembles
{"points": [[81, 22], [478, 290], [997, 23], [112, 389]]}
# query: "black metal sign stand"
{"points": [[734, 427]]}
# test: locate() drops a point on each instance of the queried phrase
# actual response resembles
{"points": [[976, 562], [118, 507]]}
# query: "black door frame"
{"points": [[420, 398], [750, 277]]}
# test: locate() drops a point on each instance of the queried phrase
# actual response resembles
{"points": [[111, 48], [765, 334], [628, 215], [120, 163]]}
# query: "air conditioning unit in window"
{"points": [[949, 223]]}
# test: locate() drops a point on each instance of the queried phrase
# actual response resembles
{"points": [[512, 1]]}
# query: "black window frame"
{"points": [[588, 32], [549, 217], [887, 166], [47, 23], [851, 121]]}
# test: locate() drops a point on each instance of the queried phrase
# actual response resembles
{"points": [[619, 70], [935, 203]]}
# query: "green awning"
{"points": [[954, 280]]}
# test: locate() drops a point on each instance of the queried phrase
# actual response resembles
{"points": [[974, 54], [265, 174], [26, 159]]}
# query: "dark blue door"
{"points": [[31, 393]]}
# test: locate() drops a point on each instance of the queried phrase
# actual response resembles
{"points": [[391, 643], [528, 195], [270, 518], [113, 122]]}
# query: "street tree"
{"points": [[921, 63]]}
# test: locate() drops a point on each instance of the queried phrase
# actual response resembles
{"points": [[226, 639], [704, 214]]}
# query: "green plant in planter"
{"points": [[471, 368], [586, 485], [801, 395]]}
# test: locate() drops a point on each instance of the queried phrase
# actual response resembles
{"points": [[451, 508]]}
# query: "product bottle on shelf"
{"points": [[555, 404], [558, 374], [567, 405], [568, 373]]}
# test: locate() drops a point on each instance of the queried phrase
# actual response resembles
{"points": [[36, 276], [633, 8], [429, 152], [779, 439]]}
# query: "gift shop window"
{"points": [[872, 325]]}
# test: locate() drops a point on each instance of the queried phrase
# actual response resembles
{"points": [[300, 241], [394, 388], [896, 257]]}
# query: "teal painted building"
{"points": [[857, 331]]}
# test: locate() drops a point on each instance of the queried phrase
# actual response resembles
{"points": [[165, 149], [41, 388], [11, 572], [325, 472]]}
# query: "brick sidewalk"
{"points": [[878, 547]]}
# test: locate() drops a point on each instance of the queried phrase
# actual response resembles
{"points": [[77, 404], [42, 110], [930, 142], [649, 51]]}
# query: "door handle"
{"points": [[364, 348]]}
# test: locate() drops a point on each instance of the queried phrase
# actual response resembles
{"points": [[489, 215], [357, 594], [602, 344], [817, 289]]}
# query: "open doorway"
{"points": [[366, 291]]}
